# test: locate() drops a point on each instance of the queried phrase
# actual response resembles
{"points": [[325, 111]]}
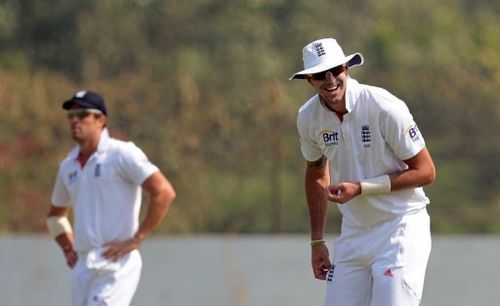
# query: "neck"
{"points": [[88, 146], [86, 150], [340, 109]]}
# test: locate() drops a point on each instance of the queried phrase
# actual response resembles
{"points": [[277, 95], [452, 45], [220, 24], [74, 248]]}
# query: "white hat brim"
{"points": [[352, 60]]}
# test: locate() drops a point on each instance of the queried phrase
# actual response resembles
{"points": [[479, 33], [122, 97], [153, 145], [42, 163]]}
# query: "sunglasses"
{"points": [[82, 113], [335, 71]]}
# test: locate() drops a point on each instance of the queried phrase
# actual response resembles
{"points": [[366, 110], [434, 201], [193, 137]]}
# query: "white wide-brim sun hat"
{"points": [[323, 54]]}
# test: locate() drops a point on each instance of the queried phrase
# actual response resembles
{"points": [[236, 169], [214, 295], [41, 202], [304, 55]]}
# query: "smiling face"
{"points": [[331, 86]]}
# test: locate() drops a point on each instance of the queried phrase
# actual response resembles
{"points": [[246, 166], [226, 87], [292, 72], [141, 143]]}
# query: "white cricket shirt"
{"points": [[376, 134], [105, 194]]}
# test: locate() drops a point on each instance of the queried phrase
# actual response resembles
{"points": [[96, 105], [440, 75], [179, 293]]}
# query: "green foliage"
{"points": [[202, 87]]}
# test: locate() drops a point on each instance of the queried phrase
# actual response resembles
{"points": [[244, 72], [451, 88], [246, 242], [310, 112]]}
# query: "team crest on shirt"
{"points": [[366, 136], [97, 170], [330, 138]]}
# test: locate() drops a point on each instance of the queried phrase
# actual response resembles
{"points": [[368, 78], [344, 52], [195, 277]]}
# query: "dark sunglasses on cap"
{"points": [[81, 113], [335, 71]]}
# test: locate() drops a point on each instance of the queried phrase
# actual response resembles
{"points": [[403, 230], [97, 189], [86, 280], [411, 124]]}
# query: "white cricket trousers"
{"points": [[382, 266], [90, 287]]}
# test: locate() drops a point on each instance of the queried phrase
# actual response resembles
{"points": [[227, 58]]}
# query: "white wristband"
{"points": [[58, 225], [379, 184]]}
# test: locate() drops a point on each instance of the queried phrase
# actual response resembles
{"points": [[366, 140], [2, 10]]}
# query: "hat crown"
{"points": [[81, 94], [323, 54], [86, 99], [322, 51]]}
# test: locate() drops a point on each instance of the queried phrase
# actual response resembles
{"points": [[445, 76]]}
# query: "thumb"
{"points": [[327, 264], [334, 191]]}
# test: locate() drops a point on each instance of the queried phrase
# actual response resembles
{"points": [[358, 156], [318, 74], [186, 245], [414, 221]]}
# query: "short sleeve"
{"points": [[134, 164], [60, 194], [310, 150], [401, 132]]}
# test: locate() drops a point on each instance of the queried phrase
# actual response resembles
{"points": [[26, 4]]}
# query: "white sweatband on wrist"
{"points": [[378, 184], [58, 225]]}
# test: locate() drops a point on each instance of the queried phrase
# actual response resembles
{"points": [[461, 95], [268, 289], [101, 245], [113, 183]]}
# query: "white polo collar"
{"points": [[101, 147], [352, 94]]}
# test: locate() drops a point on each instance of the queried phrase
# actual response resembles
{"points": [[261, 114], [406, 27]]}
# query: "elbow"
{"points": [[433, 175], [163, 197], [430, 176], [172, 195], [169, 194]]}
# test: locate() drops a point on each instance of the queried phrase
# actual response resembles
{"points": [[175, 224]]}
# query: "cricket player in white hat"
{"points": [[101, 181], [364, 152]]}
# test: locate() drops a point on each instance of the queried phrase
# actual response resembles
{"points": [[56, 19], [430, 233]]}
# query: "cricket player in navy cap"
{"points": [[101, 181]]}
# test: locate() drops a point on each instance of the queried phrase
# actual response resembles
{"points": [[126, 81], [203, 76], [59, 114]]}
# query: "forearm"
{"points": [[420, 172], [317, 206], [409, 178], [316, 184], [161, 195], [60, 228], [157, 210]]}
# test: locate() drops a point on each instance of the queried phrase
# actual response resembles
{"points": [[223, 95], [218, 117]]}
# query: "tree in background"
{"points": [[202, 87]]}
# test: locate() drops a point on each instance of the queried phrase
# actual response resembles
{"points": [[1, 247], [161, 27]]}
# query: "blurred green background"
{"points": [[202, 87]]}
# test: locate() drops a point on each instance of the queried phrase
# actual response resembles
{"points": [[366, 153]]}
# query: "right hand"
{"points": [[343, 192], [320, 259], [65, 242], [71, 257]]}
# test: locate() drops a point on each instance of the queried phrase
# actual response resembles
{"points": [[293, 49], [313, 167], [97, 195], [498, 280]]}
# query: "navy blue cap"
{"points": [[86, 99]]}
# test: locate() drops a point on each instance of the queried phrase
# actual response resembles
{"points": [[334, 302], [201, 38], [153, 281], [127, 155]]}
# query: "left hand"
{"points": [[343, 192], [116, 249]]}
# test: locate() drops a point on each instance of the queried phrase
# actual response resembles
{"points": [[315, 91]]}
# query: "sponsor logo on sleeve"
{"points": [[413, 132]]}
